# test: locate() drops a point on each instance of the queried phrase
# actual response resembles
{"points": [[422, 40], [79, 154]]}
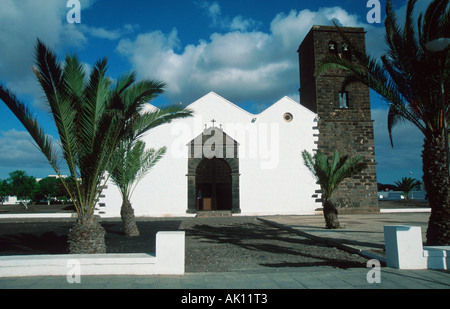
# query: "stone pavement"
{"points": [[361, 233], [286, 278]]}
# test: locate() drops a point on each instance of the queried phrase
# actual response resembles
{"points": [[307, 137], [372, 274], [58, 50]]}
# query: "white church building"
{"points": [[227, 159]]}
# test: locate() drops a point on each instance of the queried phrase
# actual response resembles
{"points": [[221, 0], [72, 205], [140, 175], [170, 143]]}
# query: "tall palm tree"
{"points": [[329, 173], [91, 116], [129, 164], [408, 78]]}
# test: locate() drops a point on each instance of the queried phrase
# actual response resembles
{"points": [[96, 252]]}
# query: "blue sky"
{"points": [[190, 45]]}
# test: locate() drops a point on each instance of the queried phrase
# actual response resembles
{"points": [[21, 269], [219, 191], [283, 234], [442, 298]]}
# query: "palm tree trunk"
{"points": [[87, 236], [331, 215], [128, 219], [437, 185]]}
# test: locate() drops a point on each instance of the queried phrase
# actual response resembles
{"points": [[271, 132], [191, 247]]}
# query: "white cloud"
{"points": [[289, 29], [102, 33], [22, 22], [108, 34], [239, 23], [18, 152], [17, 149], [242, 65], [242, 24], [214, 11]]}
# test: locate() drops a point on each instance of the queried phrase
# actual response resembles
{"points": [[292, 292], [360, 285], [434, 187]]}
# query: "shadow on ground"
{"points": [[212, 245], [255, 245], [51, 238]]}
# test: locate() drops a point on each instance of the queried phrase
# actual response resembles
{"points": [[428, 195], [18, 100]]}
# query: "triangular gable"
{"points": [[213, 142], [289, 102], [213, 97]]}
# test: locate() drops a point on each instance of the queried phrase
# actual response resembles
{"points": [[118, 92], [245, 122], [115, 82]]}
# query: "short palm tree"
{"points": [[406, 185], [91, 116], [329, 173], [408, 78], [129, 164]]}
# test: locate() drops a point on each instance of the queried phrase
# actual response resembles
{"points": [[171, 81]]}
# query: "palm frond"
{"points": [[51, 78], [25, 116], [142, 92], [130, 163], [154, 118], [148, 160], [308, 160], [91, 118], [95, 94], [330, 172], [43, 142], [406, 77]]}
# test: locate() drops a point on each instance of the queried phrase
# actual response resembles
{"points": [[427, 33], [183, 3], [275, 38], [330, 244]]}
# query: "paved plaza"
{"points": [[360, 233], [294, 278]]}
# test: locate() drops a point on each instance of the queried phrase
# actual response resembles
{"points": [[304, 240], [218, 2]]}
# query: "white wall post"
{"points": [[437, 257], [404, 248], [170, 252]]}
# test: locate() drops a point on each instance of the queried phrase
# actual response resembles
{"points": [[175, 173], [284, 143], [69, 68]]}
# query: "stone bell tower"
{"points": [[344, 115]]}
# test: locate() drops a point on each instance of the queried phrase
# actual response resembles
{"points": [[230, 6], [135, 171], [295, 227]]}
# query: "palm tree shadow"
{"points": [[117, 242], [47, 239]]}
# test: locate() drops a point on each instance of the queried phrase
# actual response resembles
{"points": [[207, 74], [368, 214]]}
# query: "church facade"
{"points": [[229, 160]]}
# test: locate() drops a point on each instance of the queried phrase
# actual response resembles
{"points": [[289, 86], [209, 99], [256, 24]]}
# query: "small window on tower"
{"points": [[343, 99], [332, 48]]}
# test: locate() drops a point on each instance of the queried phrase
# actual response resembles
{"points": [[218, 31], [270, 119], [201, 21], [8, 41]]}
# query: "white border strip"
{"points": [[397, 210], [38, 215]]}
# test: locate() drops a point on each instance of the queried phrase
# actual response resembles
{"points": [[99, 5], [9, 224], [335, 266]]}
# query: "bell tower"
{"points": [[344, 115]]}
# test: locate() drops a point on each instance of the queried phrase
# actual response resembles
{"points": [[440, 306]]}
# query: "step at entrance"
{"points": [[214, 213]]}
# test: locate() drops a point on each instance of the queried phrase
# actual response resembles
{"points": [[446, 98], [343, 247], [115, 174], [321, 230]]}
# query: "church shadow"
{"points": [[274, 247], [251, 237], [346, 241]]}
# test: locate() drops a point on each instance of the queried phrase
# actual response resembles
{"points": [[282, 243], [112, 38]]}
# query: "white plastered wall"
{"points": [[273, 179]]}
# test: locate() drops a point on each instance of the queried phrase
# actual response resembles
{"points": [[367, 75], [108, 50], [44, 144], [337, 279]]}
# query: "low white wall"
{"points": [[404, 249], [39, 216], [169, 260]]}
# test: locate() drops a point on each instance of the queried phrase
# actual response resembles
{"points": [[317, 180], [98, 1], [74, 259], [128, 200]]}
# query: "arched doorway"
{"points": [[213, 176], [213, 185]]}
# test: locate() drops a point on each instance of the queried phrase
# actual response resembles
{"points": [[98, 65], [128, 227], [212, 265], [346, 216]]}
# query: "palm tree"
{"points": [[128, 166], [406, 185], [408, 78], [329, 174], [91, 116]]}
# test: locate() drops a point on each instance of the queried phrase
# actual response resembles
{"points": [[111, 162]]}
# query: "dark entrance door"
{"points": [[213, 185]]}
